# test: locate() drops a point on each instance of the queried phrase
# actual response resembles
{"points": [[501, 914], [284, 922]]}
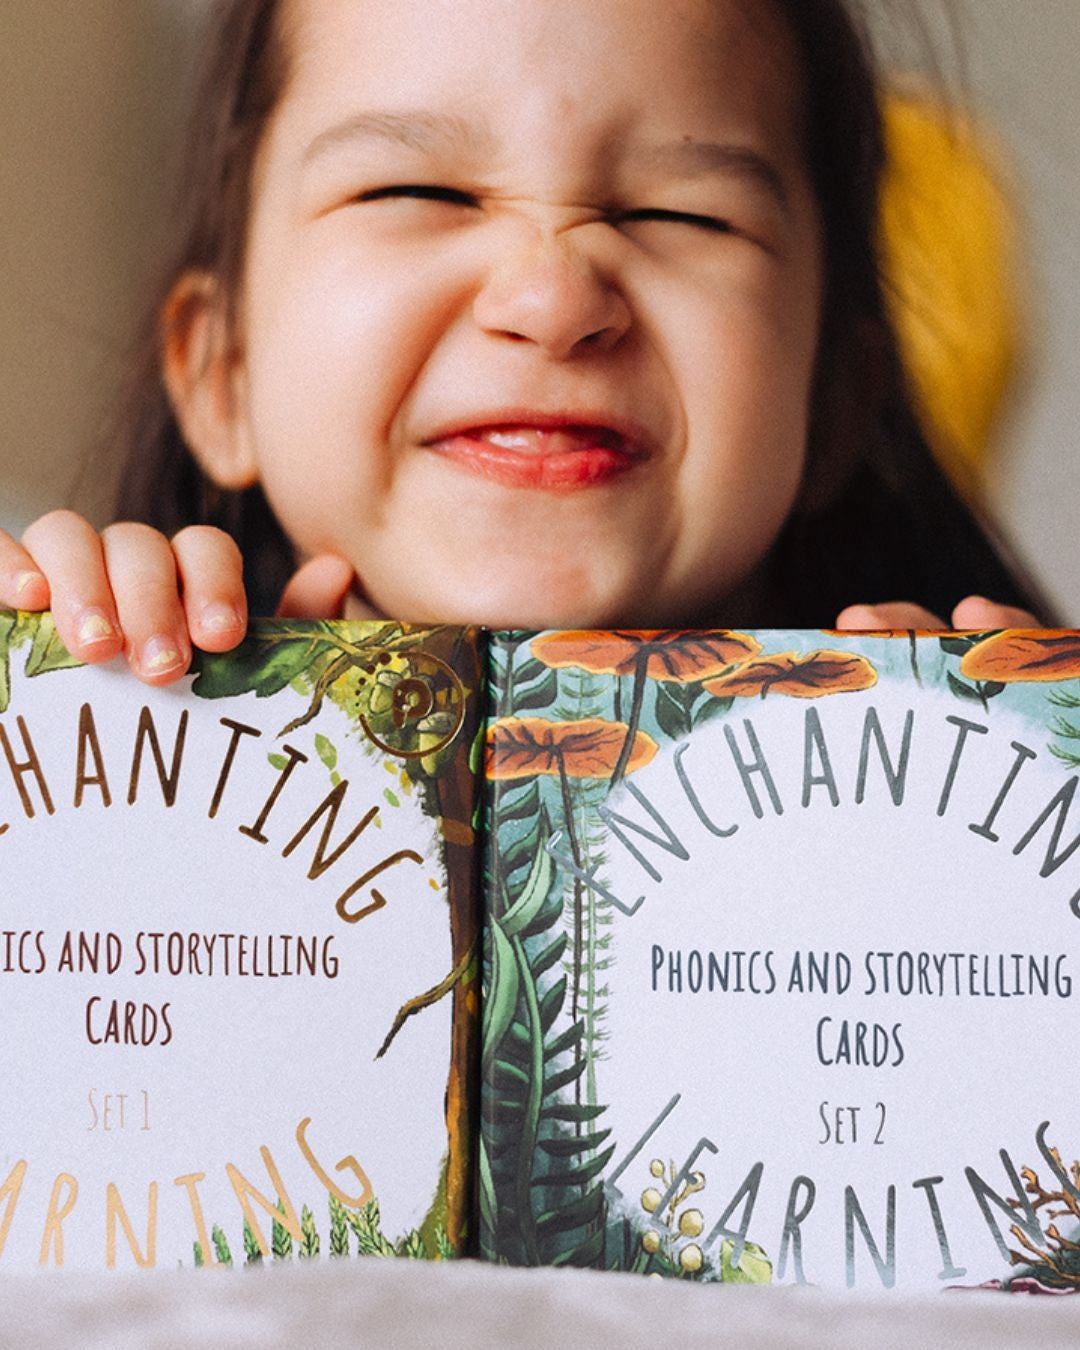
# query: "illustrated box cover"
{"points": [[782, 934], [239, 951], [779, 949]]}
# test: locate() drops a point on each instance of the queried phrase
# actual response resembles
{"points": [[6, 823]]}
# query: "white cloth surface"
{"points": [[412, 1305]]}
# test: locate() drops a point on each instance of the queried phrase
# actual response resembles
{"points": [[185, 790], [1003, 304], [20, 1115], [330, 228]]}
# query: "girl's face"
{"points": [[531, 304]]}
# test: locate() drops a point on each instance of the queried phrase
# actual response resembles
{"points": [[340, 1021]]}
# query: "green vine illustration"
{"points": [[583, 698], [541, 1200]]}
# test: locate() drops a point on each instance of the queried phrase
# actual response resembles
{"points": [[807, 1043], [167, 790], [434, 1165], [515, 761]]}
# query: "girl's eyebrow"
{"points": [[427, 131], [418, 130], [688, 158]]}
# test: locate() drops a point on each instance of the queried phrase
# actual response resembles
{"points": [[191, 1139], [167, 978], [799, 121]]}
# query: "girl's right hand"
{"points": [[129, 589], [132, 590]]}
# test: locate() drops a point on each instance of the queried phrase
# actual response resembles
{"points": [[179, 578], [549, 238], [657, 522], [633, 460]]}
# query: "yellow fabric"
{"points": [[948, 255]]}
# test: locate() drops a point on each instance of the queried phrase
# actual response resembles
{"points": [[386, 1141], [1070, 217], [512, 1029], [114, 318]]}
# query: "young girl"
{"points": [[534, 314]]}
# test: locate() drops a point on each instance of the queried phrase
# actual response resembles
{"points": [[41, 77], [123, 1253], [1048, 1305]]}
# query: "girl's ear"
{"points": [[204, 374]]}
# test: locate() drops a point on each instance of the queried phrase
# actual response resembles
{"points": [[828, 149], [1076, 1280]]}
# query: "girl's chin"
{"points": [[500, 602]]}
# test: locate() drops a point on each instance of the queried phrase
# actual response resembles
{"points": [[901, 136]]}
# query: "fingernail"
{"points": [[25, 580], [159, 656], [221, 619], [94, 627]]}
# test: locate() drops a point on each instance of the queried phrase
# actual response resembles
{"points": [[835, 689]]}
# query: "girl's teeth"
{"points": [[511, 440]]}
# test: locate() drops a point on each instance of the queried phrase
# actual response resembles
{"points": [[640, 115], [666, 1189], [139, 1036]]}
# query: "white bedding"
{"points": [[404, 1305]]}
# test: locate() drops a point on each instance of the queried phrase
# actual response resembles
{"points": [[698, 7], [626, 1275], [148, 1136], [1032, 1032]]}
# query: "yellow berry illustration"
{"points": [[651, 1241], [656, 1167], [691, 1223], [650, 1199], [690, 1258]]}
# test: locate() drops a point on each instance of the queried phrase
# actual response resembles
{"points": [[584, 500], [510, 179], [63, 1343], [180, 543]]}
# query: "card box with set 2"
{"points": [[783, 939]]}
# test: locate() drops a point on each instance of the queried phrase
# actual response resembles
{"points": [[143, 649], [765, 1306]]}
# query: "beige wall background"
{"points": [[91, 95]]}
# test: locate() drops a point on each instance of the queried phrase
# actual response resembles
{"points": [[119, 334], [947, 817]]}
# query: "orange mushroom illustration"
{"points": [[518, 747], [666, 653], [1019, 655], [680, 655], [811, 676]]}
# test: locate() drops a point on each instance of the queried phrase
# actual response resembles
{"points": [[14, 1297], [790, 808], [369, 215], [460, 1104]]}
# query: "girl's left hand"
{"points": [[974, 614]]}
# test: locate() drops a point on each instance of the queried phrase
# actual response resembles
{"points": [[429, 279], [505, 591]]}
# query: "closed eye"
{"points": [[419, 191], [714, 223]]}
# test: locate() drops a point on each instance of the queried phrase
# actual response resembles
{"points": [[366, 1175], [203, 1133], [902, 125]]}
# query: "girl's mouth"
{"points": [[550, 457]]}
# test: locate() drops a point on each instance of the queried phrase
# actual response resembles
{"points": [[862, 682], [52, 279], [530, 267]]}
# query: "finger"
{"points": [[211, 575], [22, 583], [896, 615], [67, 550], [978, 613], [357, 606], [318, 590], [142, 571]]}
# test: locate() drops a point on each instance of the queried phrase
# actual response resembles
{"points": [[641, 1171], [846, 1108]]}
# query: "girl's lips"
{"points": [[548, 457]]}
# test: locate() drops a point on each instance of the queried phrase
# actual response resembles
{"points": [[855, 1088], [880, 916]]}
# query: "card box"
{"points": [[239, 954], [780, 944], [783, 942]]}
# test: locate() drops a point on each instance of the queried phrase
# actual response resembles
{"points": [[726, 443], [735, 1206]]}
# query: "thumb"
{"points": [[317, 590]]}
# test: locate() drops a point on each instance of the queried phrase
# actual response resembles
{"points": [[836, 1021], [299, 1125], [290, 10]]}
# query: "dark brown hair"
{"points": [[880, 520], [245, 67], [877, 519]]}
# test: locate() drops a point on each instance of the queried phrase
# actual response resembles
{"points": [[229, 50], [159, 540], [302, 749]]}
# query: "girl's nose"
{"points": [[552, 295]]}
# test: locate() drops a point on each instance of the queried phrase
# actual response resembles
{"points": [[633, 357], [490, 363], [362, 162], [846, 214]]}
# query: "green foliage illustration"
{"points": [[349, 1232], [46, 651], [671, 1242], [541, 1157]]}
